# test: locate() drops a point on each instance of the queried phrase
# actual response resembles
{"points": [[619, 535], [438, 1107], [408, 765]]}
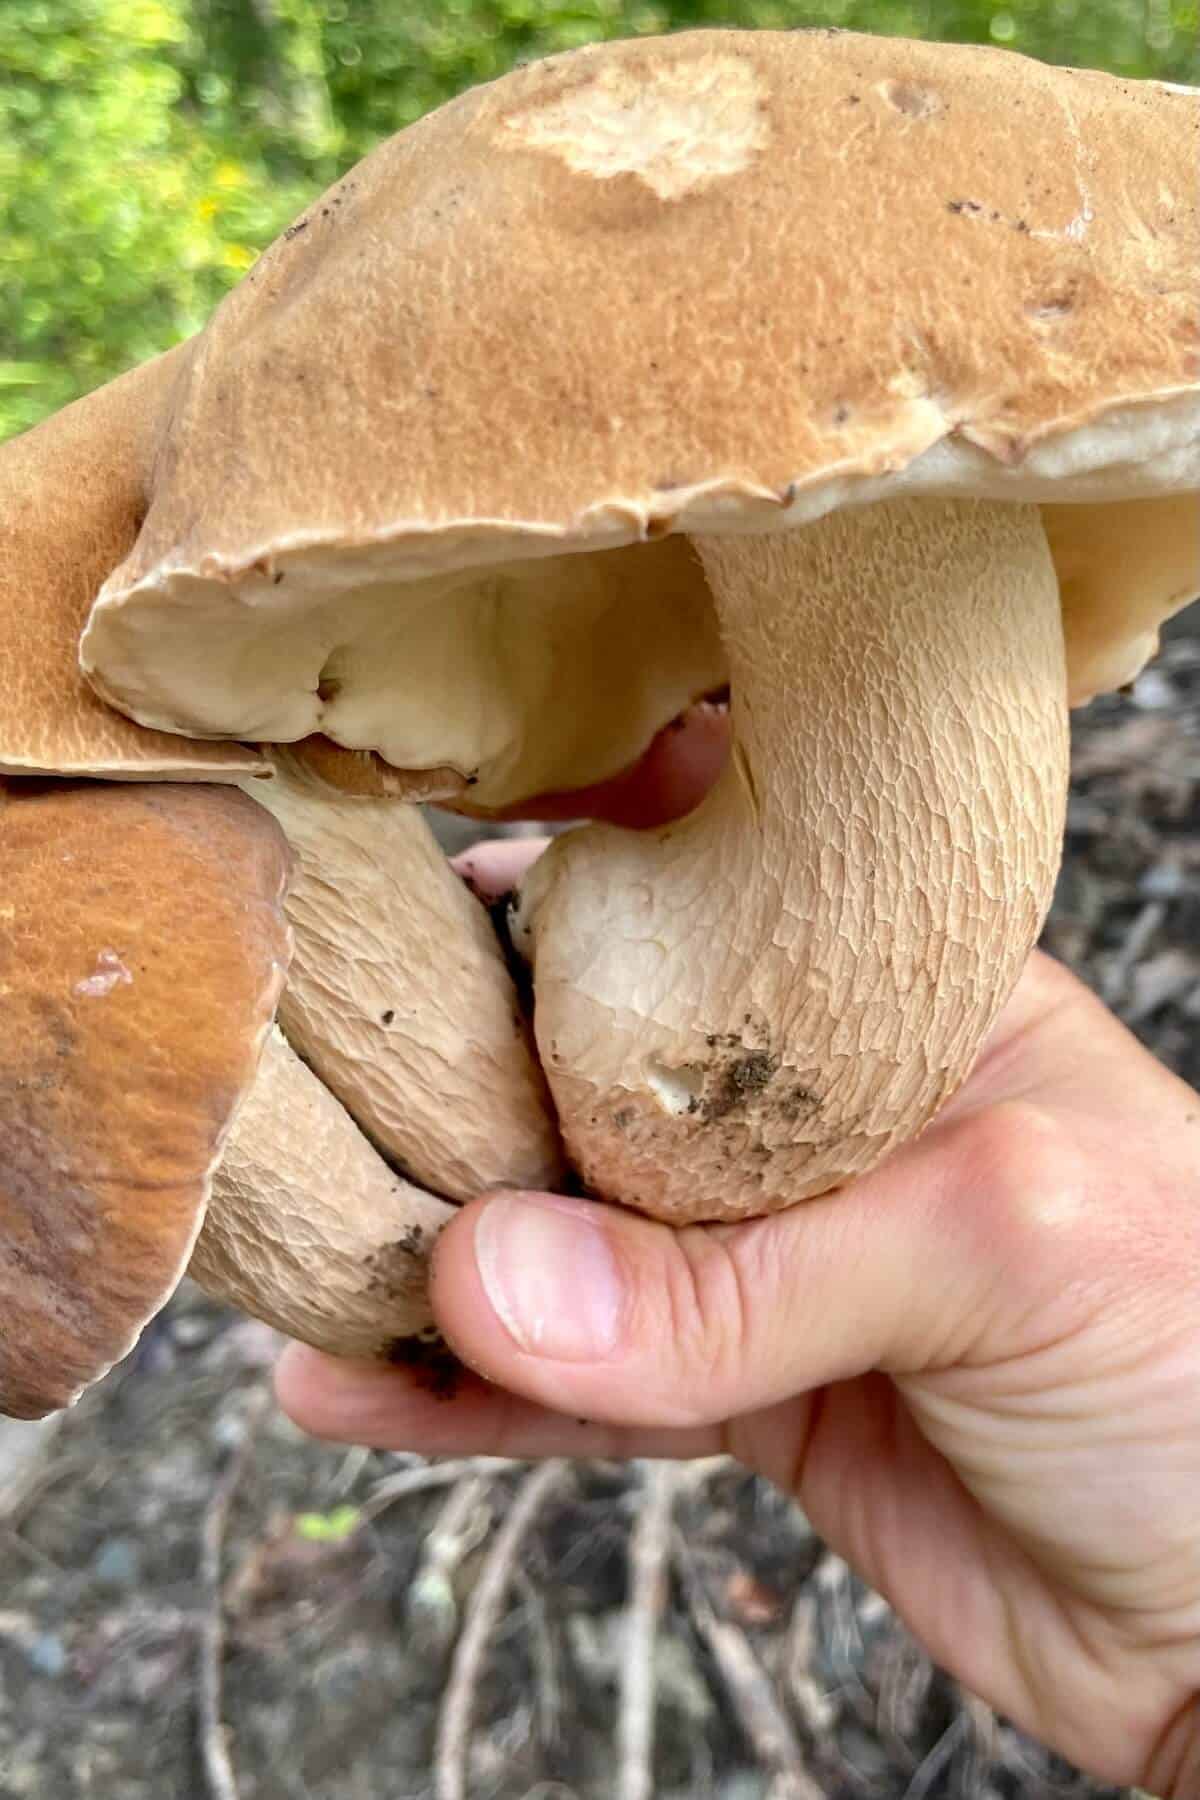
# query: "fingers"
{"points": [[373, 1403], [495, 868], [591, 1310], [993, 1234], [669, 779], [998, 1225]]}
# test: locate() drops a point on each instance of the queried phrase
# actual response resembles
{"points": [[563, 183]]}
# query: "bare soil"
{"points": [[200, 1604]]}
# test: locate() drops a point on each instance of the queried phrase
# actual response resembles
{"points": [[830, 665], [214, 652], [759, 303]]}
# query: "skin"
{"points": [[976, 1368]]}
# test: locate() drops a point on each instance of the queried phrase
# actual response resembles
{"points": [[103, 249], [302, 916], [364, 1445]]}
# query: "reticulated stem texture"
{"points": [[754, 1004], [307, 1228], [399, 996]]}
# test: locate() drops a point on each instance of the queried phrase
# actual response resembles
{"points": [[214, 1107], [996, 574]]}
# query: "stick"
{"points": [[462, 1522], [214, 1748], [649, 1560], [482, 1612], [766, 1725], [431, 1475], [547, 1683]]}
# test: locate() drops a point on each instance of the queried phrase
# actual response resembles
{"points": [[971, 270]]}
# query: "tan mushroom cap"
{"points": [[722, 281], [141, 958], [73, 493]]}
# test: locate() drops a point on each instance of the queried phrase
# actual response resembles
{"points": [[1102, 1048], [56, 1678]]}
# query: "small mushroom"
{"points": [[674, 368]]}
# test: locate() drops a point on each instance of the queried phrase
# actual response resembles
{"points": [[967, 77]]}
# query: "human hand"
{"points": [[977, 1368]]}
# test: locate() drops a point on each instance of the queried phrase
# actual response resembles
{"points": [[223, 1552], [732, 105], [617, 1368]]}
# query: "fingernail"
{"points": [[550, 1276]]}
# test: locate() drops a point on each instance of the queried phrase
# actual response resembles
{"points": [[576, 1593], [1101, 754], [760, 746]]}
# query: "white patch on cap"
{"points": [[673, 128], [110, 973]]}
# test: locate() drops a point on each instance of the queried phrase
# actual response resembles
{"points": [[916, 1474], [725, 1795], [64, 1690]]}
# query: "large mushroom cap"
{"points": [[141, 957], [722, 281]]}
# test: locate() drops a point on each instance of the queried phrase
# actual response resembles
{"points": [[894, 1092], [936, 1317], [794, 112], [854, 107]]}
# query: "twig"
{"points": [[214, 1748], [649, 1560], [454, 1720], [349, 1470], [461, 1523], [903, 1691], [547, 1682], [833, 1583], [983, 1736], [1137, 941], [817, 1710], [938, 1759], [766, 1725], [430, 1475]]}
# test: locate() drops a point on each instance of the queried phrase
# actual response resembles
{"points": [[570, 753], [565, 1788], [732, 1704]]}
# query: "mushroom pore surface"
{"points": [[752, 1005]]}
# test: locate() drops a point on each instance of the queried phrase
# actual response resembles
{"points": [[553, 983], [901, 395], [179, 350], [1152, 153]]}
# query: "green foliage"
{"points": [[150, 148]]}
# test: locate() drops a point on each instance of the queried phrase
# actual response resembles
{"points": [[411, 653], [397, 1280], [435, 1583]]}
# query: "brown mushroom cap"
{"points": [[73, 493], [726, 280], [142, 954]]}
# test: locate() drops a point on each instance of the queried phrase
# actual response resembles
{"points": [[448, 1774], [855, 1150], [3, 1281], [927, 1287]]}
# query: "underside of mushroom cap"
{"points": [[957, 272], [141, 958]]}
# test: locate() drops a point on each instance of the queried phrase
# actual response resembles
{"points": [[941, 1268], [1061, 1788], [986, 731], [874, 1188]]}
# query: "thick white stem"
{"points": [[399, 997], [308, 1228], [755, 1004]]}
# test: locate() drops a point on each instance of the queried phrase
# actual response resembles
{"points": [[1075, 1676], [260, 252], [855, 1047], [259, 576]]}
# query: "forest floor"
{"points": [[197, 1603]]}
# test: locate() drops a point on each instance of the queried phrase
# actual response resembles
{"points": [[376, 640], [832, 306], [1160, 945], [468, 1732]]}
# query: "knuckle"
{"points": [[710, 1313], [1026, 1179]]}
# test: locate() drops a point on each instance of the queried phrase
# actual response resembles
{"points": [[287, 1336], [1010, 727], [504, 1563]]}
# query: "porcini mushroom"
{"points": [[790, 360], [398, 994], [143, 950]]}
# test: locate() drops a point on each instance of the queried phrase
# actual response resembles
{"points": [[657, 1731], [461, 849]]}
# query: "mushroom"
{"points": [[859, 374], [310, 1229], [856, 375], [138, 983], [140, 1074], [145, 935], [398, 994]]}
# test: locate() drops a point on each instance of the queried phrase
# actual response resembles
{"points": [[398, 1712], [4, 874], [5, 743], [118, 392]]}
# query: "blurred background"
{"points": [[150, 148], [196, 1603]]}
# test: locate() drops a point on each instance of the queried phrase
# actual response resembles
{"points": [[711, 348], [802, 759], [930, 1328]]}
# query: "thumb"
{"points": [[595, 1311]]}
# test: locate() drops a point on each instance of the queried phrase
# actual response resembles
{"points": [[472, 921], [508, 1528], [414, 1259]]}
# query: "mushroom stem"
{"points": [[308, 1228], [750, 1006], [399, 996]]}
